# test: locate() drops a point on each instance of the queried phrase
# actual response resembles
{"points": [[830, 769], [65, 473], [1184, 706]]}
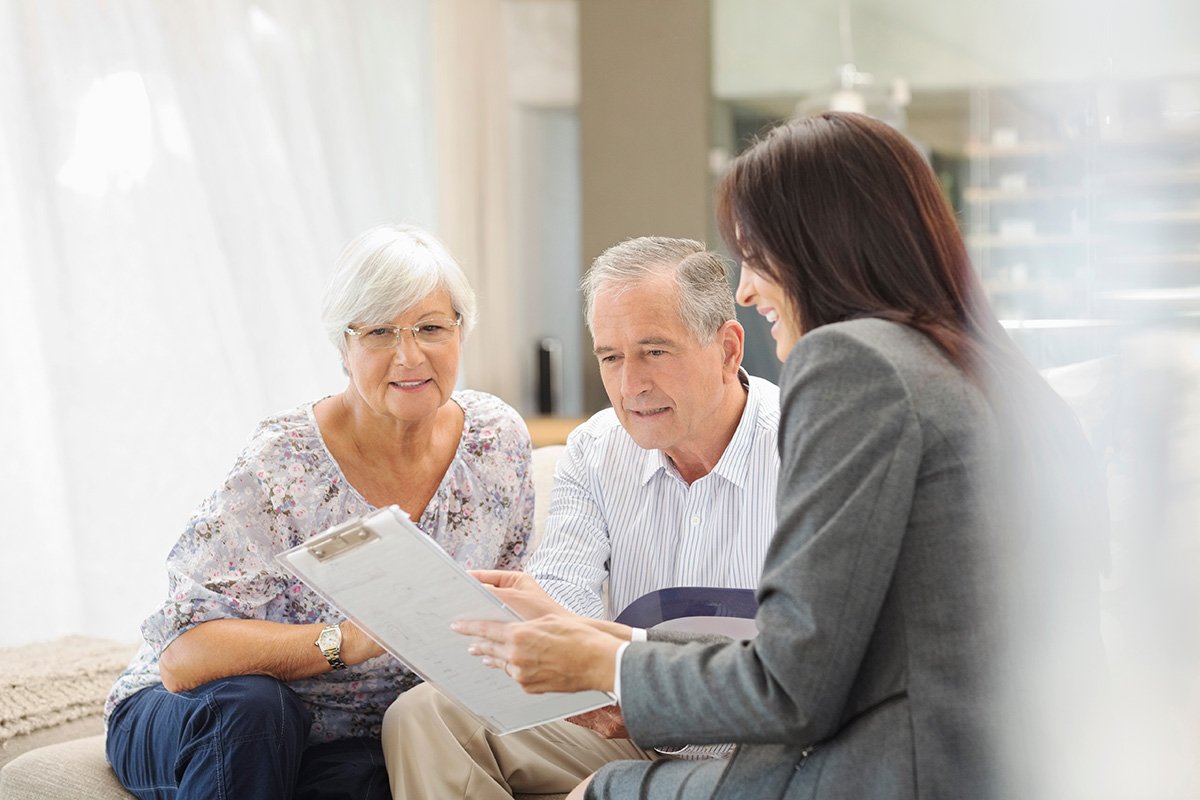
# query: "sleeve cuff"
{"points": [[636, 635], [617, 672]]}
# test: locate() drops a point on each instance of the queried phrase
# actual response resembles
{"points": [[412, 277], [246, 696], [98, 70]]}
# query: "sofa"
{"points": [[51, 731]]}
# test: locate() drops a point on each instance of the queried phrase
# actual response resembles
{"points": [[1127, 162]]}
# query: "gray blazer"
{"points": [[872, 675]]}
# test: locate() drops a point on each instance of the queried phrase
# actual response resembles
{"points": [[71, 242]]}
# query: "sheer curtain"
{"points": [[474, 119], [176, 180]]}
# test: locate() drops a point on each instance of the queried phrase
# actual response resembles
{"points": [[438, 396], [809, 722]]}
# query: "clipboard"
{"points": [[403, 590]]}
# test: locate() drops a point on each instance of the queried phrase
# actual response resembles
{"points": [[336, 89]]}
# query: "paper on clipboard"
{"points": [[403, 590]]}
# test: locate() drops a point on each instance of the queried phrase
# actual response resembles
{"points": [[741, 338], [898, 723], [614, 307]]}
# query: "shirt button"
{"points": [[695, 520]]}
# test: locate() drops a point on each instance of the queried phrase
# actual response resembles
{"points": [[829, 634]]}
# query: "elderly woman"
{"points": [[249, 684]]}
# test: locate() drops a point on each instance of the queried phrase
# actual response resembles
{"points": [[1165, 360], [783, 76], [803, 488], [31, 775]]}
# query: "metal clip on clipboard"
{"points": [[336, 541]]}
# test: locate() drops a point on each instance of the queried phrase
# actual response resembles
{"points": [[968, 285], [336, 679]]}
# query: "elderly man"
{"points": [[672, 486]]}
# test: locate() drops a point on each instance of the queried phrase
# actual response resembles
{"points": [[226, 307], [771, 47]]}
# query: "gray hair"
{"points": [[705, 298], [387, 270]]}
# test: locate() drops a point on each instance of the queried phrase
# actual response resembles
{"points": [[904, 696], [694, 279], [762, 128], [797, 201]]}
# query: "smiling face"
{"points": [[769, 299], [666, 388], [408, 383]]}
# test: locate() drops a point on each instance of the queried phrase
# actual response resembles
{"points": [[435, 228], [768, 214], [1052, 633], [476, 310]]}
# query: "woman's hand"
{"points": [[519, 591], [548, 654], [357, 647]]}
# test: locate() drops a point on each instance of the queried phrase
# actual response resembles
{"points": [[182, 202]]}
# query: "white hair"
{"points": [[386, 271], [705, 298]]}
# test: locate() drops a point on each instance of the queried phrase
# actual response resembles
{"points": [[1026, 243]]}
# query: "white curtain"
{"points": [[475, 111], [176, 179]]}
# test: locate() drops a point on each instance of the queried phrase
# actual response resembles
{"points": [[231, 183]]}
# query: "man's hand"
{"points": [[518, 591], [609, 722]]}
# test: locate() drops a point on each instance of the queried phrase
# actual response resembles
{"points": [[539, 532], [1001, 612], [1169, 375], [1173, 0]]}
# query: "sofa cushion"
{"points": [[69, 769], [77, 769], [545, 459]]}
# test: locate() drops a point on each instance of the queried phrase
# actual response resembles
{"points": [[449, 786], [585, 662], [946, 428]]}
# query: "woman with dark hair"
{"points": [[933, 501]]}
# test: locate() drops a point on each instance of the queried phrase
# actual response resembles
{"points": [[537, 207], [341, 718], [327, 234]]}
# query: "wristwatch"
{"points": [[329, 642]]}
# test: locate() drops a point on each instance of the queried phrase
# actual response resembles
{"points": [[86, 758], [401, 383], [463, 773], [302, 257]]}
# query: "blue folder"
{"points": [[663, 605]]}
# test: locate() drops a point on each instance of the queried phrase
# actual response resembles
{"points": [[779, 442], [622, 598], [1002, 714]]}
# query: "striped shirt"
{"points": [[623, 514]]}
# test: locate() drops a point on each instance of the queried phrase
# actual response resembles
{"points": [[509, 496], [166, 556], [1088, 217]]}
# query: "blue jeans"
{"points": [[238, 738]]}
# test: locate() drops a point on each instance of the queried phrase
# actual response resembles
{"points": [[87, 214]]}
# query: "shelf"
{"points": [[1033, 286], [1184, 136], [1154, 178], [1065, 201], [1177, 217], [1013, 325], [976, 194], [1164, 259], [1019, 150], [995, 288], [1181, 294], [996, 241]]}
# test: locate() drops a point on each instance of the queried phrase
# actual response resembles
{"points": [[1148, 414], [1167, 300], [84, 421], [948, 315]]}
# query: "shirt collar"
{"points": [[656, 461]]}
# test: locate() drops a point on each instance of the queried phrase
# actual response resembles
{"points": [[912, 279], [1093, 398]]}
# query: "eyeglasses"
{"points": [[434, 330]]}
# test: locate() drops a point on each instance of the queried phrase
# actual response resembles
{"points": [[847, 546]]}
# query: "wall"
{"points": [[788, 47], [644, 128]]}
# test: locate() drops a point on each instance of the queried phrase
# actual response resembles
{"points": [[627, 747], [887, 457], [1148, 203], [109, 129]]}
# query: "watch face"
{"points": [[330, 638]]}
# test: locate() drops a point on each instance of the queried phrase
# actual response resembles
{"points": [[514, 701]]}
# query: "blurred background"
{"points": [[177, 178]]}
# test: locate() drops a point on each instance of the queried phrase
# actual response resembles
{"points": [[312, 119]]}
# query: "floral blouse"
{"points": [[284, 489]]}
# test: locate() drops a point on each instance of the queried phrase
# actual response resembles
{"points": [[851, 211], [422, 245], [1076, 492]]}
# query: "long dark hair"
{"points": [[845, 215]]}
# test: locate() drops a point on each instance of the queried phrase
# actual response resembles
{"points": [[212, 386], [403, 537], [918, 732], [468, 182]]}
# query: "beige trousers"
{"points": [[436, 751]]}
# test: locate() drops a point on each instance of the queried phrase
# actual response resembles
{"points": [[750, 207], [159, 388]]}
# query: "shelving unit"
{"points": [[1149, 194], [1076, 195], [1073, 199], [1028, 202]]}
